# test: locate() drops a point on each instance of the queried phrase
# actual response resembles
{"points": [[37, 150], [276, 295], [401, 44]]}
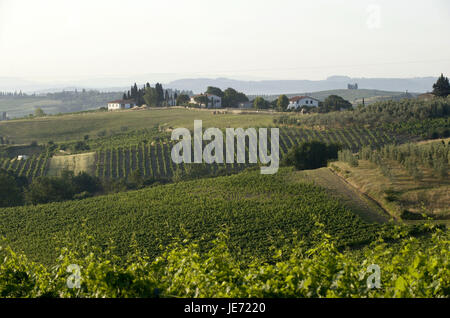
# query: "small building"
{"points": [[22, 157], [213, 101], [121, 104], [300, 101]]}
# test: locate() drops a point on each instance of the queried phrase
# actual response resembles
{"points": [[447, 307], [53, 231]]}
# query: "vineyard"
{"points": [[154, 159], [149, 151], [258, 211], [35, 166]]}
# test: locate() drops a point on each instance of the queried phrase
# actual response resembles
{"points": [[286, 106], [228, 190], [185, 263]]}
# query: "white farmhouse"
{"points": [[213, 101], [121, 104], [299, 101]]}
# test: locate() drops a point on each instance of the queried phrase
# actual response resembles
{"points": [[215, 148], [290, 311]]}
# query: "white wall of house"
{"points": [[116, 106], [306, 101]]}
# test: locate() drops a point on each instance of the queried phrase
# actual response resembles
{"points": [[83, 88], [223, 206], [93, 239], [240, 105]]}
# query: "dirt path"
{"points": [[363, 206]]}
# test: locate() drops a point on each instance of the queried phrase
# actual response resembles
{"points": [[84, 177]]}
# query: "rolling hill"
{"points": [[258, 211], [354, 96]]}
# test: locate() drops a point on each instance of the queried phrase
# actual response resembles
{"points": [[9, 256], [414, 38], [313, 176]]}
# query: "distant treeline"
{"points": [[153, 96], [377, 114]]}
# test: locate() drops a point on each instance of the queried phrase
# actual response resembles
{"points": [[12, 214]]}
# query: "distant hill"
{"points": [[352, 95], [53, 103], [268, 87]]}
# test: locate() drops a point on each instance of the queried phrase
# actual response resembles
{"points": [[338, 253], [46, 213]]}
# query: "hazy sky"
{"points": [[259, 39]]}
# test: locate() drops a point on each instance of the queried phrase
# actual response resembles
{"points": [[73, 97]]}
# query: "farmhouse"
{"points": [[300, 101], [121, 104], [213, 101]]}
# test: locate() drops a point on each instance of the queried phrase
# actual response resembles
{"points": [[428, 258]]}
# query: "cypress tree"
{"points": [[442, 87]]}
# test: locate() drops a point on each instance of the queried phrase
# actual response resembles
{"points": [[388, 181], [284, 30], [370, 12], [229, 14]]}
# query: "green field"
{"points": [[76, 126], [259, 211]]}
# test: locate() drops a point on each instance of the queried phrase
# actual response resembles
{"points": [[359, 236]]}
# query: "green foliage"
{"points": [[66, 187], [387, 112], [10, 191], [182, 100], [202, 99], [335, 103], [232, 98], [442, 87], [311, 155], [260, 103], [151, 97], [414, 157], [39, 112], [214, 91], [410, 268], [258, 210], [282, 102]]}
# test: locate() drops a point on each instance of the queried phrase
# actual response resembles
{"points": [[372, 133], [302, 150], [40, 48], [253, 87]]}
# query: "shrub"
{"points": [[311, 155]]}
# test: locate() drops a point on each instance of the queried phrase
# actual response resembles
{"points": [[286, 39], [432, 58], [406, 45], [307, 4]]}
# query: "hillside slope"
{"points": [[259, 211]]}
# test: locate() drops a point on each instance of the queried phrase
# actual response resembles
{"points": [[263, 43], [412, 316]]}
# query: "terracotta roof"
{"points": [[122, 101], [297, 98]]}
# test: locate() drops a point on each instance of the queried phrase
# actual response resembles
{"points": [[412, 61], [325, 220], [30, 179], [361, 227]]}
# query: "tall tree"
{"points": [[282, 102], [232, 98], [39, 112], [335, 103], [214, 91], [260, 103], [151, 97], [442, 87], [182, 99], [159, 94], [166, 97]]}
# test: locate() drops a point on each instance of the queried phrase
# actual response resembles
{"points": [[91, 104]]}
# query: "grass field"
{"points": [[76, 126], [430, 195]]}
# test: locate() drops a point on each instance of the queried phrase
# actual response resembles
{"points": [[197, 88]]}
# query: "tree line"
{"points": [[155, 96]]}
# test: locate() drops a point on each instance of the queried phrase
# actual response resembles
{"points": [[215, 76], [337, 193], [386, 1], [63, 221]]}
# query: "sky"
{"points": [[51, 40]]}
